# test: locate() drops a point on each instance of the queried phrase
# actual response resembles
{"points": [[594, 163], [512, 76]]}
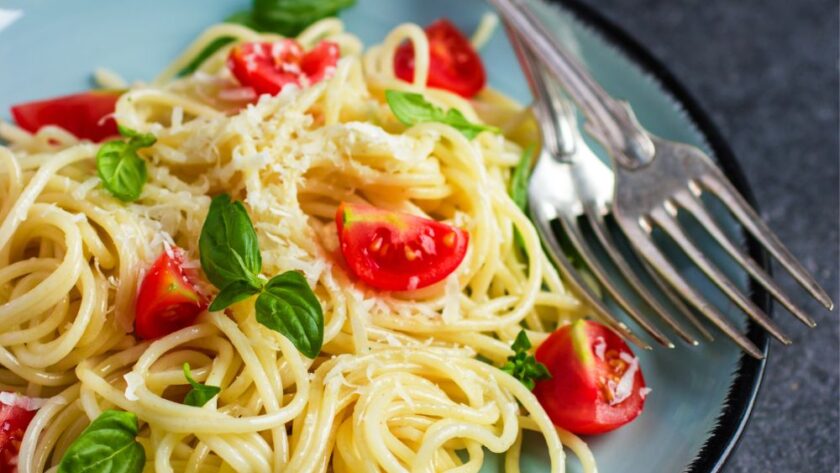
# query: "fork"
{"points": [[654, 181]]}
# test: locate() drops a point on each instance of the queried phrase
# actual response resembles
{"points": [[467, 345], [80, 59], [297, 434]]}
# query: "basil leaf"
{"points": [[290, 17], [519, 191], [233, 293], [200, 394], [287, 305], [107, 445], [228, 246], [122, 171], [523, 366], [412, 108]]}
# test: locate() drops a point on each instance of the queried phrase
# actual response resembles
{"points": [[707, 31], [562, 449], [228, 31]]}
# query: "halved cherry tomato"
{"points": [[269, 67], [86, 115], [14, 419], [454, 64], [596, 383], [397, 251], [167, 300]]}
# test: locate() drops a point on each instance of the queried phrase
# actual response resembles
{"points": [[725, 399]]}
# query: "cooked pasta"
{"points": [[405, 381]]}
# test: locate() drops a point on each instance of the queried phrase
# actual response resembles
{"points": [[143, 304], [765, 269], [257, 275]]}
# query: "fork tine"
{"points": [[742, 210], [573, 232], [541, 221], [667, 222], [695, 207], [644, 246], [596, 221]]}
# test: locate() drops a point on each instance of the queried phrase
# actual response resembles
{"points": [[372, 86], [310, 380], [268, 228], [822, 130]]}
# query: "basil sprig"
{"points": [[108, 445], [230, 257], [284, 17], [121, 169], [523, 366], [200, 394], [411, 108]]}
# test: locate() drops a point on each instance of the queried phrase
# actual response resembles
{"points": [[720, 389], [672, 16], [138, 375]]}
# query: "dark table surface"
{"points": [[767, 73]]}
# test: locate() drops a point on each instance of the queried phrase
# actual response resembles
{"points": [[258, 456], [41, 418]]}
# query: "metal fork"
{"points": [[570, 184], [656, 179]]}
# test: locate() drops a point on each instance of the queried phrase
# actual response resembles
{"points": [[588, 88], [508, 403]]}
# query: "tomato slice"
{"points": [[396, 251], [596, 383], [87, 115], [454, 64], [268, 67], [167, 300], [15, 416]]}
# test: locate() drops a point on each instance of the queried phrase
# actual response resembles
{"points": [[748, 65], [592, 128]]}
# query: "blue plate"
{"points": [[701, 396]]}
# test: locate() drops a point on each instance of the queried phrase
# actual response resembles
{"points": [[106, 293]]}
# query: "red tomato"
{"points": [[454, 64], [167, 300], [398, 251], [596, 383], [14, 419], [269, 67], [86, 115]]}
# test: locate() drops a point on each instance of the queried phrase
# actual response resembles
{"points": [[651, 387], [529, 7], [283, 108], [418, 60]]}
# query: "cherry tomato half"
{"points": [[596, 383], [397, 251], [454, 64], [167, 300], [269, 67], [86, 115], [14, 419]]}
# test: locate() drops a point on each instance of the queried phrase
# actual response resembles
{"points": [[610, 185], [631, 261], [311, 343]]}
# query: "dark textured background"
{"points": [[767, 73]]}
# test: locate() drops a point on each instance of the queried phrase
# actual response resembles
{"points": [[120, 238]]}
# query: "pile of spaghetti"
{"points": [[403, 381]]}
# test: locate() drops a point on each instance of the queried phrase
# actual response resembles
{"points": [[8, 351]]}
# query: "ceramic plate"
{"points": [[701, 396]]}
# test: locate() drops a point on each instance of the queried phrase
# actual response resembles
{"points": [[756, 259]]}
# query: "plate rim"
{"points": [[743, 391]]}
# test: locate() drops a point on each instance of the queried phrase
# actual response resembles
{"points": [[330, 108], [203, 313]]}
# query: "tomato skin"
{"points": [[86, 115], [395, 251], [268, 67], [14, 420], [577, 397], [167, 301], [454, 64]]}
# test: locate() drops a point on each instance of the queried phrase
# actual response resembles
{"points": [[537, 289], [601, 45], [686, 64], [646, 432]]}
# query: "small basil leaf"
{"points": [[519, 191], [137, 139], [108, 445], [287, 305], [121, 170], [523, 366], [411, 108], [290, 17], [200, 394], [228, 246], [233, 293]]}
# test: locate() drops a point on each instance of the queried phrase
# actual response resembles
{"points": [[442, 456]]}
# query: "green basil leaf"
{"points": [[228, 246], [137, 139], [121, 170], [200, 394], [519, 179], [233, 293], [523, 366], [108, 445], [290, 17], [519, 191], [411, 108], [287, 305]]}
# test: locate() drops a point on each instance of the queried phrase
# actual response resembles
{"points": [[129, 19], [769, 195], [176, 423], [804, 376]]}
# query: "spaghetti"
{"points": [[397, 386]]}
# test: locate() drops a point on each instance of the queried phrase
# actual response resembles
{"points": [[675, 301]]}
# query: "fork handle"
{"points": [[610, 121]]}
